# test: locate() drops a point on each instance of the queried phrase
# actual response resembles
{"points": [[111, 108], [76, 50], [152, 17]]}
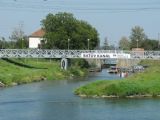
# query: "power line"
{"points": [[34, 6], [116, 10]]}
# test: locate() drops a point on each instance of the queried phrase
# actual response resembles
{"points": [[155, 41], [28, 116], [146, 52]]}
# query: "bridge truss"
{"points": [[94, 54]]}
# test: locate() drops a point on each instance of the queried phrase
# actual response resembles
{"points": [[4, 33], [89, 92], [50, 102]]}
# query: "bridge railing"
{"points": [[101, 54], [145, 54]]}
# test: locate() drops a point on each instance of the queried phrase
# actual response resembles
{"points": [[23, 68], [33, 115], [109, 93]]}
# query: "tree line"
{"points": [[138, 39], [64, 31], [17, 40]]}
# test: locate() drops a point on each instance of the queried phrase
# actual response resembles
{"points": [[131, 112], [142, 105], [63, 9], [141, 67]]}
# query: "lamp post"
{"points": [[137, 43], [88, 43], [22, 42], [68, 43]]}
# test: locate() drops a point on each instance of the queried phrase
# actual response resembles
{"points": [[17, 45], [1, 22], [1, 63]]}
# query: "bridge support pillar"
{"points": [[64, 63]]}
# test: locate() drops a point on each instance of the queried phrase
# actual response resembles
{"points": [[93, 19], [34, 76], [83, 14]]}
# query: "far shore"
{"points": [[113, 96]]}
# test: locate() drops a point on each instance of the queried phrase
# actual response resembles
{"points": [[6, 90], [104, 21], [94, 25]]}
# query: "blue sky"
{"points": [[112, 18]]}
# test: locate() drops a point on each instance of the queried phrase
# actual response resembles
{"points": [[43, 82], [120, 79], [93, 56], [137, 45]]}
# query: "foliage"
{"points": [[2, 44], [137, 37], [77, 71], [18, 38], [146, 83], [17, 33], [5, 44], [63, 30], [124, 43], [78, 66], [106, 45], [22, 43], [82, 63], [149, 44]]}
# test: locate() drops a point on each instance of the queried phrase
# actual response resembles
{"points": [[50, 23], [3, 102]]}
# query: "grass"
{"points": [[11, 73], [146, 83]]}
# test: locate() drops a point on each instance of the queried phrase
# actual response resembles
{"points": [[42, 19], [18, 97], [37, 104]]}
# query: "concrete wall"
{"points": [[127, 62], [96, 62], [120, 62]]}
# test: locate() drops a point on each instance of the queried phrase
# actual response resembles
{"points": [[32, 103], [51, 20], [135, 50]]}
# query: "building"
{"points": [[36, 38], [138, 52]]}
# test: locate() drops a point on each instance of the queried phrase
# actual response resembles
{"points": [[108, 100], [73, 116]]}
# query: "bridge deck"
{"points": [[94, 54]]}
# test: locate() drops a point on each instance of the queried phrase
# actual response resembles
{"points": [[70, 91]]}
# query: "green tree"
{"points": [[124, 43], [22, 43], [2, 43], [5, 44], [137, 37], [149, 44], [106, 45], [63, 29]]}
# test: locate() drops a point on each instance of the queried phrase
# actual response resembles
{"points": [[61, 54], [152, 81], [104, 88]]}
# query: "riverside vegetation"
{"points": [[142, 84], [20, 71]]}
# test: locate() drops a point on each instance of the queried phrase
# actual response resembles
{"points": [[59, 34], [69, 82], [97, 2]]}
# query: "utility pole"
{"points": [[137, 43], [158, 40]]}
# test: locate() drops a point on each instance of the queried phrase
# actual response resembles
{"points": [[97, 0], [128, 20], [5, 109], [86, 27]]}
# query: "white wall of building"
{"points": [[34, 42]]}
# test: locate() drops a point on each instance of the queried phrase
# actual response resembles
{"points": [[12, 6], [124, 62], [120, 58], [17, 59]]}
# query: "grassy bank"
{"points": [[145, 84], [12, 74]]}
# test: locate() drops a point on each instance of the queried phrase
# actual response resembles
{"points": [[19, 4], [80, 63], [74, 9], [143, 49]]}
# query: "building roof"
{"points": [[39, 33]]}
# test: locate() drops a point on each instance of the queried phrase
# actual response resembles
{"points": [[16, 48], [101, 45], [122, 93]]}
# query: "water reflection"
{"points": [[54, 100]]}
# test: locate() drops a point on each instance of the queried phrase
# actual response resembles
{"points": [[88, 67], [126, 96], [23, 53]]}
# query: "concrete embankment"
{"points": [[96, 65], [127, 62], [2, 85]]}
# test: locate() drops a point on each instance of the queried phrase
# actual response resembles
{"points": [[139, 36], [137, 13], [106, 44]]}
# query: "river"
{"points": [[54, 100]]}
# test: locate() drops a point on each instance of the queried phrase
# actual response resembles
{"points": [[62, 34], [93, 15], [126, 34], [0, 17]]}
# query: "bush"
{"points": [[82, 63]]}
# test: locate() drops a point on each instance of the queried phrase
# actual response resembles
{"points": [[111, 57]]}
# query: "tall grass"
{"points": [[11, 73], [146, 83]]}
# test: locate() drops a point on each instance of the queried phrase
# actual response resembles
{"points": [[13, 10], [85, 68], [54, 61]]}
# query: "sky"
{"points": [[112, 18]]}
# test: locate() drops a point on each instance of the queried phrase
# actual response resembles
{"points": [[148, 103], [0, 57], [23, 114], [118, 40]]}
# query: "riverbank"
{"points": [[37, 70], [143, 84]]}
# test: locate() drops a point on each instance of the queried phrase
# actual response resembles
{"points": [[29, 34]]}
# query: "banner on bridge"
{"points": [[105, 55]]}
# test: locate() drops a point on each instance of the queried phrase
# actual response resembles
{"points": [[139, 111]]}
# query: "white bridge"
{"points": [[87, 54]]}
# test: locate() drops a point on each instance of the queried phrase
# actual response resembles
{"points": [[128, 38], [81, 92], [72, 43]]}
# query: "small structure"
{"points": [[36, 38], [138, 52], [64, 64]]}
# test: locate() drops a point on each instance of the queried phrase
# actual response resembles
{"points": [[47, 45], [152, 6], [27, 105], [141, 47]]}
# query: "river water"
{"points": [[54, 100]]}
